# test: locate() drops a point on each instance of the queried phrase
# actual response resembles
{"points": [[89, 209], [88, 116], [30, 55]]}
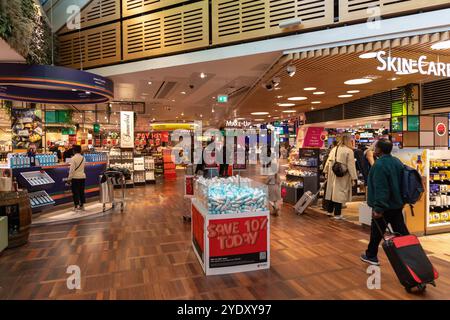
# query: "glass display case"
{"points": [[231, 195]]}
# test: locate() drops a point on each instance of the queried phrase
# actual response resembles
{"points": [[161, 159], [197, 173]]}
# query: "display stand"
{"points": [[302, 175], [123, 159], [230, 243], [149, 163], [139, 170]]}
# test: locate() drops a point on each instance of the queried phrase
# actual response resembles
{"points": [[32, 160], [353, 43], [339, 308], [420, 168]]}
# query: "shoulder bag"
{"points": [[338, 168]]}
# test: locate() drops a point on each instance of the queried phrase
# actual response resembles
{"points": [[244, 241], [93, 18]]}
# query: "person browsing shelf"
{"points": [[77, 178]]}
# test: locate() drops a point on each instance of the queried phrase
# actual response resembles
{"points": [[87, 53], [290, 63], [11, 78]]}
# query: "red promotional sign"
{"points": [[238, 236], [313, 138], [198, 225], [189, 186]]}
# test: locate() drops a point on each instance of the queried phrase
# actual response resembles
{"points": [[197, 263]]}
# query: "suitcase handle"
{"points": [[391, 232]]}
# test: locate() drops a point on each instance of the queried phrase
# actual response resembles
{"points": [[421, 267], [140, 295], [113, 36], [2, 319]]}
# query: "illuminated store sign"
{"points": [[409, 66]]}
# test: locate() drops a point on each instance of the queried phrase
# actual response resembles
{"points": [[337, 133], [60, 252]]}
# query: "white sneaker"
{"points": [[338, 218], [329, 214]]}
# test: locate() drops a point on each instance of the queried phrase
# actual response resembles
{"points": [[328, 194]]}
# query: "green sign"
{"points": [[413, 123], [68, 131], [398, 108], [222, 98], [57, 116], [397, 124], [96, 128]]}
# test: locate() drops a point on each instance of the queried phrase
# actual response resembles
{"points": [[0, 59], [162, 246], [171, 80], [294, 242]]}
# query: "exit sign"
{"points": [[222, 98]]}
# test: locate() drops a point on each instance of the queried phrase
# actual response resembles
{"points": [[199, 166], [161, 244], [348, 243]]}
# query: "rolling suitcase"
{"points": [[409, 261], [306, 199]]}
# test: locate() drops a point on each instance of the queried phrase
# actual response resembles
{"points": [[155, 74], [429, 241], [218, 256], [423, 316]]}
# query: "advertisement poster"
{"points": [[238, 241], [26, 128], [198, 225], [313, 137], [127, 129], [189, 186]]}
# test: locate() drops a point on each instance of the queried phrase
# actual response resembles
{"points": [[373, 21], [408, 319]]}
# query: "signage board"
{"points": [[222, 98], [127, 129]]}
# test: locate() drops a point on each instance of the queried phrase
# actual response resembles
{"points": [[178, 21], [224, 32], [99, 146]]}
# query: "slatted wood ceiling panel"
{"points": [[96, 12], [167, 31], [359, 9], [235, 20], [98, 46], [131, 7]]}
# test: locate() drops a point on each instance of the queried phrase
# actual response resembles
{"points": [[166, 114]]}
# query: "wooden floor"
{"points": [[145, 253]]}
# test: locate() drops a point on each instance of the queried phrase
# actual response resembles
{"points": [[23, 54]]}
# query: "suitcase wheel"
{"points": [[420, 288]]}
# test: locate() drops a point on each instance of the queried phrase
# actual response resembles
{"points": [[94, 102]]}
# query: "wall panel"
{"points": [[237, 20], [132, 7], [177, 29], [91, 47]]}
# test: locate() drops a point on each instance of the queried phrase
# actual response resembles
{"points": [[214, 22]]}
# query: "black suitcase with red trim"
{"points": [[409, 261]]}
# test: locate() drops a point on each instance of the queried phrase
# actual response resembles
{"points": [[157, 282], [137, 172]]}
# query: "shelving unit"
{"points": [[438, 209], [149, 164], [123, 158], [139, 170], [302, 175]]}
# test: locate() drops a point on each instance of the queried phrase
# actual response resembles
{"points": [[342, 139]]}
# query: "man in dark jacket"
{"points": [[384, 197]]}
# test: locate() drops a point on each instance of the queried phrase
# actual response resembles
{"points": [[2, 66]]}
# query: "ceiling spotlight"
{"points": [[259, 119], [291, 70], [202, 75], [309, 89], [260, 113], [368, 55], [183, 92], [353, 91], [182, 114], [345, 96], [279, 97], [316, 102], [74, 90], [392, 79], [289, 111], [286, 104], [297, 98], [319, 92], [276, 81], [88, 92], [212, 110], [353, 82], [312, 108], [201, 116], [441, 45], [149, 83]]}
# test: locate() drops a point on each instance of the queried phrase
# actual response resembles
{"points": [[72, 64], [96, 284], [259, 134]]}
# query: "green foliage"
{"points": [[22, 26], [7, 106]]}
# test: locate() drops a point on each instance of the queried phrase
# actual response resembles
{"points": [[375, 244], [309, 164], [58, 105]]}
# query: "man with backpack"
{"points": [[385, 197]]}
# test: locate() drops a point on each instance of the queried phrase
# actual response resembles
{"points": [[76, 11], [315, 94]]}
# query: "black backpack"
{"points": [[412, 186]]}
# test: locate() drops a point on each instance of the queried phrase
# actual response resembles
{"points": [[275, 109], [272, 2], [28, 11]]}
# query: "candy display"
{"points": [[231, 195], [292, 184], [301, 173]]}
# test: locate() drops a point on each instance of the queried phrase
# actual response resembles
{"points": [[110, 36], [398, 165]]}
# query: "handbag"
{"points": [[338, 168]]}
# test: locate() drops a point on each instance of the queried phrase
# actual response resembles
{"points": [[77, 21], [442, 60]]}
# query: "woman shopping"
{"points": [[77, 178], [340, 171]]}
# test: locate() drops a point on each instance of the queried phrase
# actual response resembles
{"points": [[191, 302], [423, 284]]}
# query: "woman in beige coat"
{"points": [[339, 189]]}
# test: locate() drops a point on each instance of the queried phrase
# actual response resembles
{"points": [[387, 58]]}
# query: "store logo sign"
{"points": [[127, 129], [409, 66], [238, 124], [441, 129]]}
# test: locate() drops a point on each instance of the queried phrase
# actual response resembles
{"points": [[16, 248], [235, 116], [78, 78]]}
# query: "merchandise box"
{"points": [[230, 243]]}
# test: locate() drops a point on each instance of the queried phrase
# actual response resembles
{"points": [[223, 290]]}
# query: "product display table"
{"points": [[230, 243]]}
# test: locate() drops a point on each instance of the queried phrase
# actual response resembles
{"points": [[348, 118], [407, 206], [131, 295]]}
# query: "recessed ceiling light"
{"points": [[149, 83], [392, 79], [182, 114], [286, 104], [312, 108], [279, 97], [345, 96], [319, 92], [183, 92], [309, 89], [88, 92], [353, 91], [441, 45], [368, 55], [201, 116], [276, 118], [277, 88], [353, 82], [297, 98], [259, 113], [202, 75], [259, 119], [316, 102], [173, 100], [289, 111]]}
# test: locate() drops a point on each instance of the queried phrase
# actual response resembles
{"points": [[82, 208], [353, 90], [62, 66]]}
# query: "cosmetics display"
{"points": [[149, 166], [37, 178], [231, 195], [302, 174]]}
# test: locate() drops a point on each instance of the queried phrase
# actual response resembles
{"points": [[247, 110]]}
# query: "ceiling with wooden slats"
{"points": [[328, 69]]}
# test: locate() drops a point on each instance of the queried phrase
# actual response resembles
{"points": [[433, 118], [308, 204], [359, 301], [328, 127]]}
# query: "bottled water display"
{"points": [[46, 159], [96, 157], [19, 160]]}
